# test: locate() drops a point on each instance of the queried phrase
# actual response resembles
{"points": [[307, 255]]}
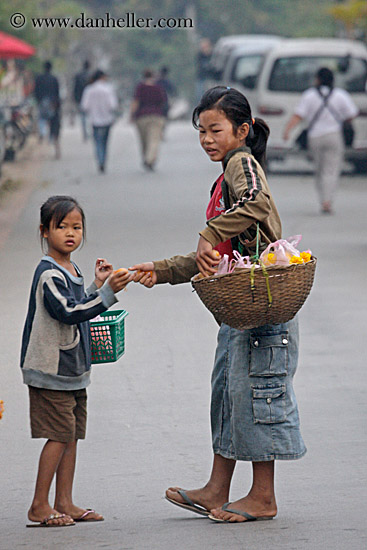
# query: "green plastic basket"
{"points": [[108, 336]]}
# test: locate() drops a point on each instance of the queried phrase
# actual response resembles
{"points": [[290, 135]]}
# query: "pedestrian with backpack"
{"points": [[325, 109]]}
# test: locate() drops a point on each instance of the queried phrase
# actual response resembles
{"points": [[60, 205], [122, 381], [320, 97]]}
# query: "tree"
{"points": [[353, 16]]}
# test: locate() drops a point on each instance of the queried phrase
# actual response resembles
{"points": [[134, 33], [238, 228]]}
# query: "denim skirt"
{"points": [[254, 414]]}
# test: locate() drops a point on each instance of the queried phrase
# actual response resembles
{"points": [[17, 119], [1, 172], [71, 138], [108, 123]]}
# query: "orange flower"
{"points": [[296, 260], [306, 257]]}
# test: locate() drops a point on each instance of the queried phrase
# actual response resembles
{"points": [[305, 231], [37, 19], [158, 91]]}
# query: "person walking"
{"points": [[81, 80], [254, 415], [47, 94], [99, 101], [148, 112], [325, 109], [203, 72], [56, 357], [168, 87]]}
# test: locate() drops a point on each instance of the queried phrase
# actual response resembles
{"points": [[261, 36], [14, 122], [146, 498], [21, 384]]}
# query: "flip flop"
{"points": [[190, 505], [239, 513], [45, 522], [84, 517]]}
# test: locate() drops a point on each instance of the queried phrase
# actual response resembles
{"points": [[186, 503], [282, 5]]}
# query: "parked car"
{"points": [[288, 69], [244, 63], [228, 45]]}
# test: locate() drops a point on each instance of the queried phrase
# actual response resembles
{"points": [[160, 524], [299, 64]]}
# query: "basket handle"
{"points": [[256, 260], [255, 256]]}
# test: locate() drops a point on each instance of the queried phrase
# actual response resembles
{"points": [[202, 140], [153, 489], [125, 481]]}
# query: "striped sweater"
{"points": [[56, 346]]}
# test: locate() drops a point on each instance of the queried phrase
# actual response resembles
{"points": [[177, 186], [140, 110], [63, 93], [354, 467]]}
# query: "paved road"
{"points": [[148, 421]]}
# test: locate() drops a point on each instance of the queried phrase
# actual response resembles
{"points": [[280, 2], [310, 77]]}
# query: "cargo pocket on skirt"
{"points": [[269, 354], [268, 404]]}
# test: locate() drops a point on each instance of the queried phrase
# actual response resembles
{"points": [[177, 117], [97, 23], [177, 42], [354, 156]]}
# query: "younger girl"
{"points": [[56, 356], [254, 413]]}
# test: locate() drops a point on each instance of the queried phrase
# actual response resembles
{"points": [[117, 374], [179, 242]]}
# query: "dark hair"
{"points": [[47, 66], [148, 73], [97, 75], [238, 111], [325, 77], [54, 210]]}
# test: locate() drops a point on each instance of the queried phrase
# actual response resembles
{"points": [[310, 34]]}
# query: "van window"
{"points": [[246, 70], [296, 74]]}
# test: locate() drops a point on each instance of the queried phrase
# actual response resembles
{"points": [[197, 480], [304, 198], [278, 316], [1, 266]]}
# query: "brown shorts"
{"points": [[58, 415]]}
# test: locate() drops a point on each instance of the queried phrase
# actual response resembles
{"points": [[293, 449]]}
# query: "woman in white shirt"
{"points": [[100, 102], [325, 108]]}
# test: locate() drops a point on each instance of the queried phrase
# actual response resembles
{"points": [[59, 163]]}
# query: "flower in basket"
{"points": [[269, 259], [285, 252], [1, 408], [306, 256], [296, 260]]}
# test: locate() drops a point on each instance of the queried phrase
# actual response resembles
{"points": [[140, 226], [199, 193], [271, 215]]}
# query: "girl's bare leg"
{"points": [[260, 501], [216, 492], [64, 485], [49, 461]]}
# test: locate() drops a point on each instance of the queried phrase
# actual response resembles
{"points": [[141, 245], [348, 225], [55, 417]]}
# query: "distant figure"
{"points": [[47, 94], [99, 102], [168, 87], [325, 108], [147, 110], [12, 84], [203, 67], [80, 82]]}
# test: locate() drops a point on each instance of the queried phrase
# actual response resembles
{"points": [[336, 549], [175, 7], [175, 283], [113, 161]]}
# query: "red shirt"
{"points": [[152, 99], [215, 208]]}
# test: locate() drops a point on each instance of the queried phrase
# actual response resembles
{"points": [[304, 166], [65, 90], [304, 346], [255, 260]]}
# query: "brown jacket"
{"points": [[248, 200]]}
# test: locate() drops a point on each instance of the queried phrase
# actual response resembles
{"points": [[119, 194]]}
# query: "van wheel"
{"points": [[360, 166]]}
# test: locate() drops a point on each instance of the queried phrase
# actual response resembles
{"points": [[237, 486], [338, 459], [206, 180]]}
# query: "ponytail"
{"points": [[257, 140]]}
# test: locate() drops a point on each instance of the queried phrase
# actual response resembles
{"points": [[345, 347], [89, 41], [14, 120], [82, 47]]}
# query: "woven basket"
{"points": [[232, 301]]}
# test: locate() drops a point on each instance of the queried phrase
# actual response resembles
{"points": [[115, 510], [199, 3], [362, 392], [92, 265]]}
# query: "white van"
{"points": [[244, 64], [287, 70], [227, 45]]}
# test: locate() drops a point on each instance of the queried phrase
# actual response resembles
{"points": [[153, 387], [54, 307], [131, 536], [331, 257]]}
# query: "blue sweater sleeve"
{"points": [[62, 305]]}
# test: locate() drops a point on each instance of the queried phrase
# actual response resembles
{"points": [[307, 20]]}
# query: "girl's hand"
{"points": [[206, 257], [119, 279], [144, 274], [102, 271]]}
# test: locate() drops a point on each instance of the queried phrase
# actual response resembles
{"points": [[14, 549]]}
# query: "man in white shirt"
{"points": [[100, 102], [325, 108]]}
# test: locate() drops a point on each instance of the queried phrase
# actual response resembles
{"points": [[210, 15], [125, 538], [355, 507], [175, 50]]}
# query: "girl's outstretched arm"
{"points": [[144, 274]]}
